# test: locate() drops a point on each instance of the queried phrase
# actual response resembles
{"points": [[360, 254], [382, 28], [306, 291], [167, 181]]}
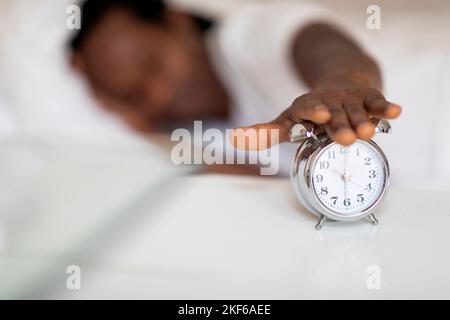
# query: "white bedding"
{"points": [[45, 98], [41, 97]]}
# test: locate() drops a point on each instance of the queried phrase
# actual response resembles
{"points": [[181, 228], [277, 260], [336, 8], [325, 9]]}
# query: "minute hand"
{"points": [[351, 180], [345, 160], [345, 171], [357, 184]]}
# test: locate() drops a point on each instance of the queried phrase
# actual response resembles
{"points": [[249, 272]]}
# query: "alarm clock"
{"points": [[336, 182]]}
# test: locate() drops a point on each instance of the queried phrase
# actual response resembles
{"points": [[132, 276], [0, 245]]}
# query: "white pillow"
{"points": [[46, 98]]}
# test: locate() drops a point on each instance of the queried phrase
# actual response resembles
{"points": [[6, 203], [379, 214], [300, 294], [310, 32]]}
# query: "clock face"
{"points": [[348, 180]]}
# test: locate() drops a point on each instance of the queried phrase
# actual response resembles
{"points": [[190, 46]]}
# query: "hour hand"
{"points": [[339, 173], [344, 177]]}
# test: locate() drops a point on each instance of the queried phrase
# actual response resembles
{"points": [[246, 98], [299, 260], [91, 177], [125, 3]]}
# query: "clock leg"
{"points": [[373, 220], [319, 224]]}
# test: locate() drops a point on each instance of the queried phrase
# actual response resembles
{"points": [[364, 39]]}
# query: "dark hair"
{"points": [[149, 10]]}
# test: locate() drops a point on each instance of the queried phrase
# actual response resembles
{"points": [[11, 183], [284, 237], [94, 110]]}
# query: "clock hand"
{"points": [[346, 189], [346, 178], [345, 160], [357, 184]]}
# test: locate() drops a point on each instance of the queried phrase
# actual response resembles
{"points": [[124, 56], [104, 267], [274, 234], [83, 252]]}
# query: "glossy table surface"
{"points": [[214, 237], [235, 237]]}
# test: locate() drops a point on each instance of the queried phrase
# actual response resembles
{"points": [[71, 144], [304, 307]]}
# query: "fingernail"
{"points": [[365, 130], [345, 137], [393, 111]]}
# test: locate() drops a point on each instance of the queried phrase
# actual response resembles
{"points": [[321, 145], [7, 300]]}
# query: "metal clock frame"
{"points": [[302, 179]]}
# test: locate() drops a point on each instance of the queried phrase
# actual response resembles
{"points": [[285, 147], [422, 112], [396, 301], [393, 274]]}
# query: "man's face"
{"points": [[160, 71]]}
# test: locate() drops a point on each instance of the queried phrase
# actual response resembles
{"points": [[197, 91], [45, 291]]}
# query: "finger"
{"points": [[309, 109], [359, 119], [339, 127], [261, 136], [377, 105], [266, 135], [393, 111]]}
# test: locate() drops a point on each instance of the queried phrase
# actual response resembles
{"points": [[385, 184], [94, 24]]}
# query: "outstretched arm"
{"points": [[345, 88]]}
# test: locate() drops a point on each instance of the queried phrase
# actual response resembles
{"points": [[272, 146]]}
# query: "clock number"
{"points": [[324, 165], [345, 150], [319, 178], [332, 154], [360, 198], [347, 202], [372, 174], [369, 187], [324, 191], [334, 199], [357, 152], [367, 161]]}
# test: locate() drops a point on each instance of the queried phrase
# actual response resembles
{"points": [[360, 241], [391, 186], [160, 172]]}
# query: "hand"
{"points": [[340, 105]]}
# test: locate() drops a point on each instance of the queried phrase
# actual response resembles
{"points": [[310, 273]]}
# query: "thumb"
{"points": [[261, 136]]}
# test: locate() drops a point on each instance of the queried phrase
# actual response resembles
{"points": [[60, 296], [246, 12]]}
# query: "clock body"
{"points": [[340, 183]]}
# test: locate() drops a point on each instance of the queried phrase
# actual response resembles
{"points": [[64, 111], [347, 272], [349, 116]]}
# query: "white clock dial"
{"points": [[348, 180]]}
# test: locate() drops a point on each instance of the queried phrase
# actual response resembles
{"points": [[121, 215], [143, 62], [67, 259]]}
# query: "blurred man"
{"points": [[155, 65]]}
